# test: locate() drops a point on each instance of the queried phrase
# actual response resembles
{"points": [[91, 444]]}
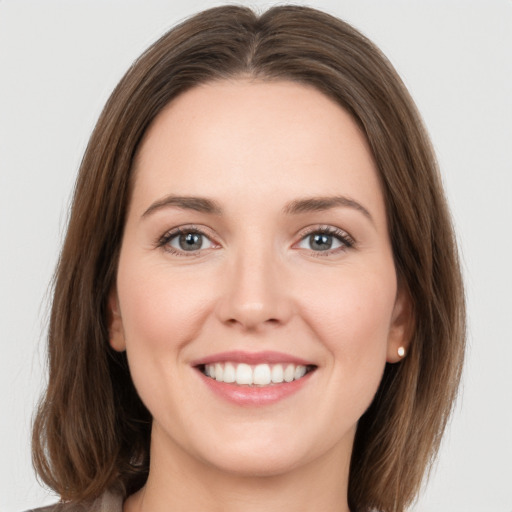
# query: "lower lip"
{"points": [[255, 395]]}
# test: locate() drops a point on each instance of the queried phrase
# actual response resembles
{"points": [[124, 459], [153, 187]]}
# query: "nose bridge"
{"points": [[254, 294]]}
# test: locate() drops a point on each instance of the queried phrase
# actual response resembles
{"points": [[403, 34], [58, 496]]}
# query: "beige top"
{"points": [[107, 502]]}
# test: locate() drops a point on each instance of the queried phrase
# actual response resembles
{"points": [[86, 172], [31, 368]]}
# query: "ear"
{"points": [[402, 326], [115, 323]]}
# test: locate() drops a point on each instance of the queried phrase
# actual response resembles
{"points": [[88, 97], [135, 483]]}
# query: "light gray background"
{"points": [[60, 60]]}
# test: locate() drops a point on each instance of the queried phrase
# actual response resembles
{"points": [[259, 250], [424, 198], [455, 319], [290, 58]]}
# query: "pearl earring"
{"points": [[401, 351]]}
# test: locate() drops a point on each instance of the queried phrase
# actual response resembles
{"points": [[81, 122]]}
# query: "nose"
{"points": [[254, 295]]}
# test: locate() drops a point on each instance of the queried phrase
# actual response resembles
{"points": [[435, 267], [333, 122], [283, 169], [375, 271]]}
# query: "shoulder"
{"points": [[107, 502]]}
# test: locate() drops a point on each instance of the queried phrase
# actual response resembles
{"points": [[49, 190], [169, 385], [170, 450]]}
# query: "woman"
{"points": [[258, 304]]}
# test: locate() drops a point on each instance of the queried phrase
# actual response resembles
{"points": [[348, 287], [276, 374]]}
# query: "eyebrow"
{"points": [[198, 204], [298, 206], [319, 204]]}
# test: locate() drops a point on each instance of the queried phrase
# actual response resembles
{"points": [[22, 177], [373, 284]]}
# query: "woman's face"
{"points": [[256, 250]]}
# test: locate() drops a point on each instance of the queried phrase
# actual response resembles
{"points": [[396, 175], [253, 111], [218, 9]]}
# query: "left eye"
{"points": [[322, 242], [189, 241]]}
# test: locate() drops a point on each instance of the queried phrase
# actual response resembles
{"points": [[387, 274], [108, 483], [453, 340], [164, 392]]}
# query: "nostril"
{"points": [[252, 324]]}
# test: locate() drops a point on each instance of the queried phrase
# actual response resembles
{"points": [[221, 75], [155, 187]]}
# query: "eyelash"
{"points": [[342, 236], [164, 240], [346, 240]]}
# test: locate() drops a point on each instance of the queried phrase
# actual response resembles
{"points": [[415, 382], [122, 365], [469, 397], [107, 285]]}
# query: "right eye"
{"points": [[182, 240]]}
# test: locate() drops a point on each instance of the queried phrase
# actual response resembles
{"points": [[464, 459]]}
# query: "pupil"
{"points": [[321, 242], [190, 241]]}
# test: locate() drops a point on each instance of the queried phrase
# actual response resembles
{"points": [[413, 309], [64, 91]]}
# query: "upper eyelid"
{"points": [[188, 228], [325, 228], [320, 227]]}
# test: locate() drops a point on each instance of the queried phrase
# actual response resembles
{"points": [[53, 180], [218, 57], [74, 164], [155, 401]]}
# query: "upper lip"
{"points": [[239, 356]]}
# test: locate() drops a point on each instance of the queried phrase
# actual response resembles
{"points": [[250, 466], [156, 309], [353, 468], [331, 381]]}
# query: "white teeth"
{"points": [[300, 371], [277, 374], [262, 375], [244, 374], [289, 373], [259, 375], [219, 372], [229, 373]]}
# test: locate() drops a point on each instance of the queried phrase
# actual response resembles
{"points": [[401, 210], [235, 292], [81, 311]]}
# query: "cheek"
{"points": [[161, 311], [349, 313], [352, 315]]}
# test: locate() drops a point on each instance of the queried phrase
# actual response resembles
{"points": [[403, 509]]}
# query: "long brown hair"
{"points": [[92, 431]]}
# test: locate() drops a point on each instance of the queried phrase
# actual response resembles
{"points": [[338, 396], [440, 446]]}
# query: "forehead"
{"points": [[267, 137]]}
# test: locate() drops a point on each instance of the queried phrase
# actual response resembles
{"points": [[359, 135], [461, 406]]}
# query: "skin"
{"points": [[257, 284]]}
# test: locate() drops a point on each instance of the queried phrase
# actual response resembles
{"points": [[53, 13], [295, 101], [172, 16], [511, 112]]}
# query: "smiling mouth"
{"points": [[242, 374]]}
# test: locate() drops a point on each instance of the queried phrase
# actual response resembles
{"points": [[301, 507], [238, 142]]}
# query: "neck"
{"points": [[180, 483]]}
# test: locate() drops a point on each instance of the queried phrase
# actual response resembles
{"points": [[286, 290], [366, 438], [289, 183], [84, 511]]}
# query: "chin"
{"points": [[253, 464], [267, 450]]}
